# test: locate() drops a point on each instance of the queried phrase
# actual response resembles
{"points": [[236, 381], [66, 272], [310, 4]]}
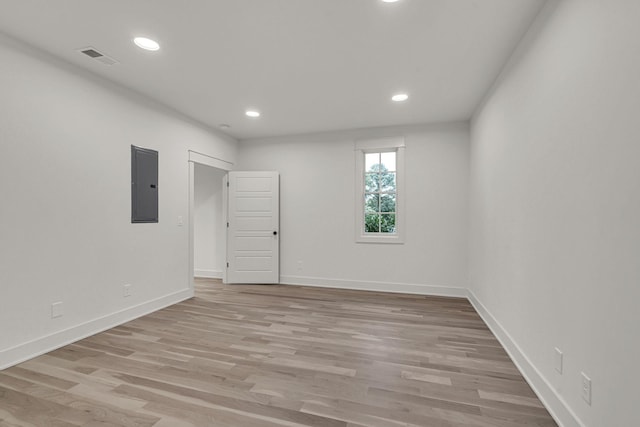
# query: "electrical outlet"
{"points": [[586, 388], [56, 310], [299, 265], [126, 290], [558, 360], [180, 221]]}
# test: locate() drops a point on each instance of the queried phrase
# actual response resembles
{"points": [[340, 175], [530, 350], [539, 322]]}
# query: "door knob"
{"points": [[275, 233]]}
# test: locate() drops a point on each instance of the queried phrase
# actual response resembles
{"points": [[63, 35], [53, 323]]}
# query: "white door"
{"points": [[253, 227]]}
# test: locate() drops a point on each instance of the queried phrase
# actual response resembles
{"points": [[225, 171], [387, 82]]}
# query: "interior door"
{"points": [[253, 227]]}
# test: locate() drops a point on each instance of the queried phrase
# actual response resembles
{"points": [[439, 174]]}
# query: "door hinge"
{"points": [[227, 265], [227, 183], [227, 225]]}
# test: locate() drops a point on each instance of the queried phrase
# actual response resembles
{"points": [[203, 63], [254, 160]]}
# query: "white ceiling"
{"points": [[307, 65]]}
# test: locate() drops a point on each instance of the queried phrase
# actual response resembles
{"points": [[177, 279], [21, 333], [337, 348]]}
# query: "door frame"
{"points": [[203, 159]]}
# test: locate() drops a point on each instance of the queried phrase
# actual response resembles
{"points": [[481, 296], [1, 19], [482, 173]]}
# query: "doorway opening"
{"points": [[208, 226], [207, 214], [233, 223]]}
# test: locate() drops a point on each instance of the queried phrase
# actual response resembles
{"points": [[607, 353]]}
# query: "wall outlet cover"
{"points": [[558, 360], [56, 310]]}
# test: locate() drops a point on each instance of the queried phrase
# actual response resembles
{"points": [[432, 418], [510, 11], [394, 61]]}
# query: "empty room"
{"points": [[320, 213]]}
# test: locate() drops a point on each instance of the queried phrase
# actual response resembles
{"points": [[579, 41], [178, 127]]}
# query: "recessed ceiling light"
{"points": [[224, 126], [399, 97], [146, 44], [252, 113], [389, 1]]}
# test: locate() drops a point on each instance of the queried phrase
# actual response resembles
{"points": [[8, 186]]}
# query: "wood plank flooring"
{"points": [[270, 355]]}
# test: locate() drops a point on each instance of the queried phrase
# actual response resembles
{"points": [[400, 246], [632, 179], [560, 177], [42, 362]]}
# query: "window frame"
{"points": [[361, 147]]}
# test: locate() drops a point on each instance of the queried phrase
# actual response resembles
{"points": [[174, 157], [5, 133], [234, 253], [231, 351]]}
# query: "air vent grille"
{"points": [[92, 53], [98, 56]]}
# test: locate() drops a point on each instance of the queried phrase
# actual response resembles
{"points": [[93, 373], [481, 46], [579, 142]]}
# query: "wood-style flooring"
{"points": [[249, 356]]}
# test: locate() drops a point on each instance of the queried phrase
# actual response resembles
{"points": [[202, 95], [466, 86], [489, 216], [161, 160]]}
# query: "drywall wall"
{"points": [[65, 230], [555, 211], [209, 251], [317, 205]]}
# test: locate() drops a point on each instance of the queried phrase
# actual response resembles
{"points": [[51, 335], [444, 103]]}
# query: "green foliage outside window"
{"points": [[380, 198]]}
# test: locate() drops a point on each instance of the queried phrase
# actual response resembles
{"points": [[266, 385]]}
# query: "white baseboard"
{"points": [[555, 404], [20, 353], [208, 274], [404, 288]]}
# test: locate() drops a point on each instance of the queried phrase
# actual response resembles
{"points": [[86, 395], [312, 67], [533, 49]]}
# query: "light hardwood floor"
{"points": [[251, 356]]}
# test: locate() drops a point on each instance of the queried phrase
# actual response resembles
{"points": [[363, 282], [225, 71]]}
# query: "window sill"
{"points": [[393, 240]]}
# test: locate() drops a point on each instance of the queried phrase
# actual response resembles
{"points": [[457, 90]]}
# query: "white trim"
{"points": [[208, 274], [391, 239], [191, 213], [554, 403], [205, 159], [28, 350], [225, 222], [379, 143], [403, 288], [362, 146], [214, 162]]}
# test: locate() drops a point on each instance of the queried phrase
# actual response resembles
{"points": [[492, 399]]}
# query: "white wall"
{"points": [[555, 173], [65, 230], [317, 205], [209, 251]]}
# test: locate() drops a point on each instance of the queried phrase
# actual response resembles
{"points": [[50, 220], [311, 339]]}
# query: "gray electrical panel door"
{"points": [[144, 185]]}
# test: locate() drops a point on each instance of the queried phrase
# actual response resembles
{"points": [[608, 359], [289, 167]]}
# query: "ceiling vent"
{"points": [[98, 56]]}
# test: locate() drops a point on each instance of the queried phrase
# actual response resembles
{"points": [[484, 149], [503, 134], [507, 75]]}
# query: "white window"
{"points": [[380, 190]]}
